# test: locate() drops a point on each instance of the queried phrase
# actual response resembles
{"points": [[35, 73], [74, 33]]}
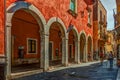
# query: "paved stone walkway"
{"points": [[88, 72]]}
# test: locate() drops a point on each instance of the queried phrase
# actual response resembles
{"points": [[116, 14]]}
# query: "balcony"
{"points": [[88, 9], [89, 2], [72, 13], [117, 17], [103, 37], [101, 22], [89, 25], [105, 24]]}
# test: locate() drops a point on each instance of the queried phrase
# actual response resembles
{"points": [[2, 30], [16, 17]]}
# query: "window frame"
{"points": [[73, 12], [89, 17], [28, 46], [74, 4], [89, 21]]}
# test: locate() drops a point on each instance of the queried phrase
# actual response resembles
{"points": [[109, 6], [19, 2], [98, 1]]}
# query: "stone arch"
{"points": [[62, 40], [75, 31], [82, 32], [73, 45], [9, 14], [56, 19], [27, 7]]}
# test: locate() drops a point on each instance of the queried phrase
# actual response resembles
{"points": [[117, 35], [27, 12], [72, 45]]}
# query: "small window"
{"points": [[72, 5], [73, 8], [100, 15], [89, 18], [32, 46]]}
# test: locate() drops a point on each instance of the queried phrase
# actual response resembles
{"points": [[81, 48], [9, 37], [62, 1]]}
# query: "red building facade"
{"points": [[2, 28], [39, 32]]}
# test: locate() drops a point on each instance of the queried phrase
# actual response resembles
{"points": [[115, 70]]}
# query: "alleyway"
{"points": [[87, 72]]}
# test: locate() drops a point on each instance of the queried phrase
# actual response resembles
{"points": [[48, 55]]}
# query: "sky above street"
{"points": [[109, 6]]}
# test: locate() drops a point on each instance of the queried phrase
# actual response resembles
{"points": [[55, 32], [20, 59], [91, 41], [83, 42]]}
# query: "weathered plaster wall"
{"points": [[24, 27], [2, 27], [58, 8]]}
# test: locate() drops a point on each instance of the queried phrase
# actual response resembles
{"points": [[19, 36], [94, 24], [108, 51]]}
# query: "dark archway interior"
{"points": [[89, 49], [25, 39], [82, 46], [71, 47], [55, 44]]}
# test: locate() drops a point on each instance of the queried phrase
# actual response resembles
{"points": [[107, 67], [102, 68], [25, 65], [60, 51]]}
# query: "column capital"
{"points": [[65, 38], [2, 59], [43, 36]]}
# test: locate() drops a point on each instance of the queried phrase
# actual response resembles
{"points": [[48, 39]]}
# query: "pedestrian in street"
{"points": [[94, 55], [110, 59], [101, 57]]}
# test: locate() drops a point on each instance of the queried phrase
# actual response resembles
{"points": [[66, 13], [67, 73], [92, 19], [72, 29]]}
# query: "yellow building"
{"points": [[117, 30], [109, 46]]}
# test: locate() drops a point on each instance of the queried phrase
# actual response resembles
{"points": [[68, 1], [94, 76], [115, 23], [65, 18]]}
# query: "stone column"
{"points": [[77, 53], [8, 52], [45, 52], [65, 51]]}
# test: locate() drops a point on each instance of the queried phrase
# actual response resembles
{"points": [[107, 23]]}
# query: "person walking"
{"points": [[110, 59], [101, 57]]}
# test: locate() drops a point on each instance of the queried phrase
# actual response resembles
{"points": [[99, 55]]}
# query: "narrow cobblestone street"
{"points": [[91, 72]]}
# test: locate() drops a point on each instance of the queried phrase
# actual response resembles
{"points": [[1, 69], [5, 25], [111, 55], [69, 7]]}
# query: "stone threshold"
{"points": [[26, 73]]}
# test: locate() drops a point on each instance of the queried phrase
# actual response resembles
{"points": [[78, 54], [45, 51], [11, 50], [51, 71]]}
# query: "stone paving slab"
{"points": [[118, 75], [88, 72]]}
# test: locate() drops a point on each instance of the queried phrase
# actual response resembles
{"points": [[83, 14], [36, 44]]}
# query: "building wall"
{"points": [[118, 5], [59, 9], [98, 41], [2, 45], [55, 11], [102, 8]]}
